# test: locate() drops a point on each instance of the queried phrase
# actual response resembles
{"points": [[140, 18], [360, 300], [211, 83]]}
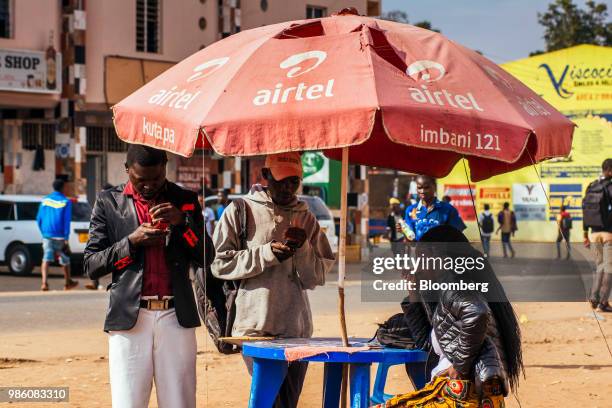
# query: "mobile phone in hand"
{"points": [[291, 243], [160, 225], [293, 237]]}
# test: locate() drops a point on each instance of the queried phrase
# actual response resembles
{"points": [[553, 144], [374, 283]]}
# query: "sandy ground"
{"points": [[567, 362]]}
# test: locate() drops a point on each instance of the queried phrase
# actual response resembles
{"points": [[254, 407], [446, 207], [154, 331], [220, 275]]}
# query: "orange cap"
{"points": [[284, 165]]}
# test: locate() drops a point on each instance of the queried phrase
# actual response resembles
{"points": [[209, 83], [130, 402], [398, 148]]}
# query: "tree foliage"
{"points": [[402, 17], [567, 25], [398, 16]]}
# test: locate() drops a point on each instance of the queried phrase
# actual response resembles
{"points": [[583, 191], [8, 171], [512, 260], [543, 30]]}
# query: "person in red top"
{"points": [[156, 277], [564, 224], [148, 233]]}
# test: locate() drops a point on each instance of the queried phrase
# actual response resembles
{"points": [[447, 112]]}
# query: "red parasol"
{"points": [[387, 94]]}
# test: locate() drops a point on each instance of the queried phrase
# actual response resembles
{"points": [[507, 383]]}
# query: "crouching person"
{"points": [[284, 253], [147, 233], [473, 336]]}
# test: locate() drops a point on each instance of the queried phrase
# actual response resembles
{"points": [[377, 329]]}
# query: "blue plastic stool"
{"points": [[378, 393], [417, 377]]}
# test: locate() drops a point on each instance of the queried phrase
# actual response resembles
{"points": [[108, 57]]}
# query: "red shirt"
{"points": [[156, 278]]}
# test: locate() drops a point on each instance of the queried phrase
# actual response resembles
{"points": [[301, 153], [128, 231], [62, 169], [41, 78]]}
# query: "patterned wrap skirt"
{"points": [[443, 392]]}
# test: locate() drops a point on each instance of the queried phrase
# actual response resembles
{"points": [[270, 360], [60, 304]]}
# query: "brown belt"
{"points": [[155, 304]]}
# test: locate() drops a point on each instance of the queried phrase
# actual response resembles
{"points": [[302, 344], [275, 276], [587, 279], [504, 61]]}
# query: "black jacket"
{"points": [[113, 218], [466, 331]]}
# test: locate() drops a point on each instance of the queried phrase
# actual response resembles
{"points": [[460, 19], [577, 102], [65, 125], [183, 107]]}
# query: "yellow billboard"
{"points": [[578, 82], [536, 199], [574, 80]]}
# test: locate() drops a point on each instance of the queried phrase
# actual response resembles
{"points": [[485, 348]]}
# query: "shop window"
{"points": [[35, 134], [148, 25], [114, 143], [104, 139], [316, 12], [95, 139], [6, 21], [47, 135]]}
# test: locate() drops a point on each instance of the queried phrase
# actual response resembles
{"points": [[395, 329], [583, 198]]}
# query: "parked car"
{"points": [[20, 238], [316, 206]]}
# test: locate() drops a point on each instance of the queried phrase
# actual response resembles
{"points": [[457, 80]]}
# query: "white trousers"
{"points": [[156, 348]]}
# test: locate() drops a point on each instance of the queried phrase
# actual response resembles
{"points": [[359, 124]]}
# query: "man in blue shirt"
{"points": [[223, 201], [54, 215], [430, 212]]}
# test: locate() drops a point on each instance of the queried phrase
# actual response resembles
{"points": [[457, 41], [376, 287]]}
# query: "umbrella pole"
{"points": [[342, 268], [342, 246]]}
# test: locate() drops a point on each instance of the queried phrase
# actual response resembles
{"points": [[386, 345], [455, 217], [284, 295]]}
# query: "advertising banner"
{"points": [[575, 79], [569, 195], [495, 197], [592, 144], [529, 201], [461, 199], [190, 172]]}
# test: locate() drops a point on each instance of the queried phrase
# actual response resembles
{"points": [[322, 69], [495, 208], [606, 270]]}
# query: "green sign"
{"points": [[316, 168]]}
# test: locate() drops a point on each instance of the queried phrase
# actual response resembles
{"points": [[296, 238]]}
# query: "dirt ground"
{"points": [[567, 362]]}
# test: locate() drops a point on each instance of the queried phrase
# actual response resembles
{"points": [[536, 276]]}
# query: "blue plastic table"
{"points": [[270, 368]]}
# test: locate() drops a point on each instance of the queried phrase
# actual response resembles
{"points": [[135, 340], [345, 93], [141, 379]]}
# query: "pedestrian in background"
{"points": [[564, 225], [597, 217], [507, 225], [53, 219], [429, 212], [207, 213], [412, 189], [223, 202], [487, 226], [396, 239]]}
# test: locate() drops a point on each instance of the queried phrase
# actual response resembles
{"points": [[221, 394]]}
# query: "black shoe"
{"points": [[604, 308], [594, 303]]}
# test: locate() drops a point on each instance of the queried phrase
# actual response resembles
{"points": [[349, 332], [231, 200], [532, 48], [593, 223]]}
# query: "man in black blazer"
{"points": [[148, 233]]}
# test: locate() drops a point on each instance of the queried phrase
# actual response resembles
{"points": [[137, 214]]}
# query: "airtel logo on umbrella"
{"points": [[432, 71], [303, 91], [181, 99], [202, 70], [294, 60], [425, 68]]}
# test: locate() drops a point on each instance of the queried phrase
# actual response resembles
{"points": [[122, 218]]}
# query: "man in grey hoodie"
{"points": [[286, 253]]}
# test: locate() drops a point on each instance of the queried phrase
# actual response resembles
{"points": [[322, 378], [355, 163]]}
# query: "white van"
{"points": [[20, 238], [315, 205]]}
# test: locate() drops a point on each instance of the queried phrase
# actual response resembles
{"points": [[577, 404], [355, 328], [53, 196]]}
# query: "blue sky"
{"points": [[504, 30]]}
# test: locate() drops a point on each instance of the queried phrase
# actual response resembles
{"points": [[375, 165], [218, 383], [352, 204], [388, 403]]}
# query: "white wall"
{"points": [[28, 181], [33, 21], [116, 168]]}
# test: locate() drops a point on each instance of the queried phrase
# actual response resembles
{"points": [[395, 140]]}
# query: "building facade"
{"points": [[64, 63]]}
